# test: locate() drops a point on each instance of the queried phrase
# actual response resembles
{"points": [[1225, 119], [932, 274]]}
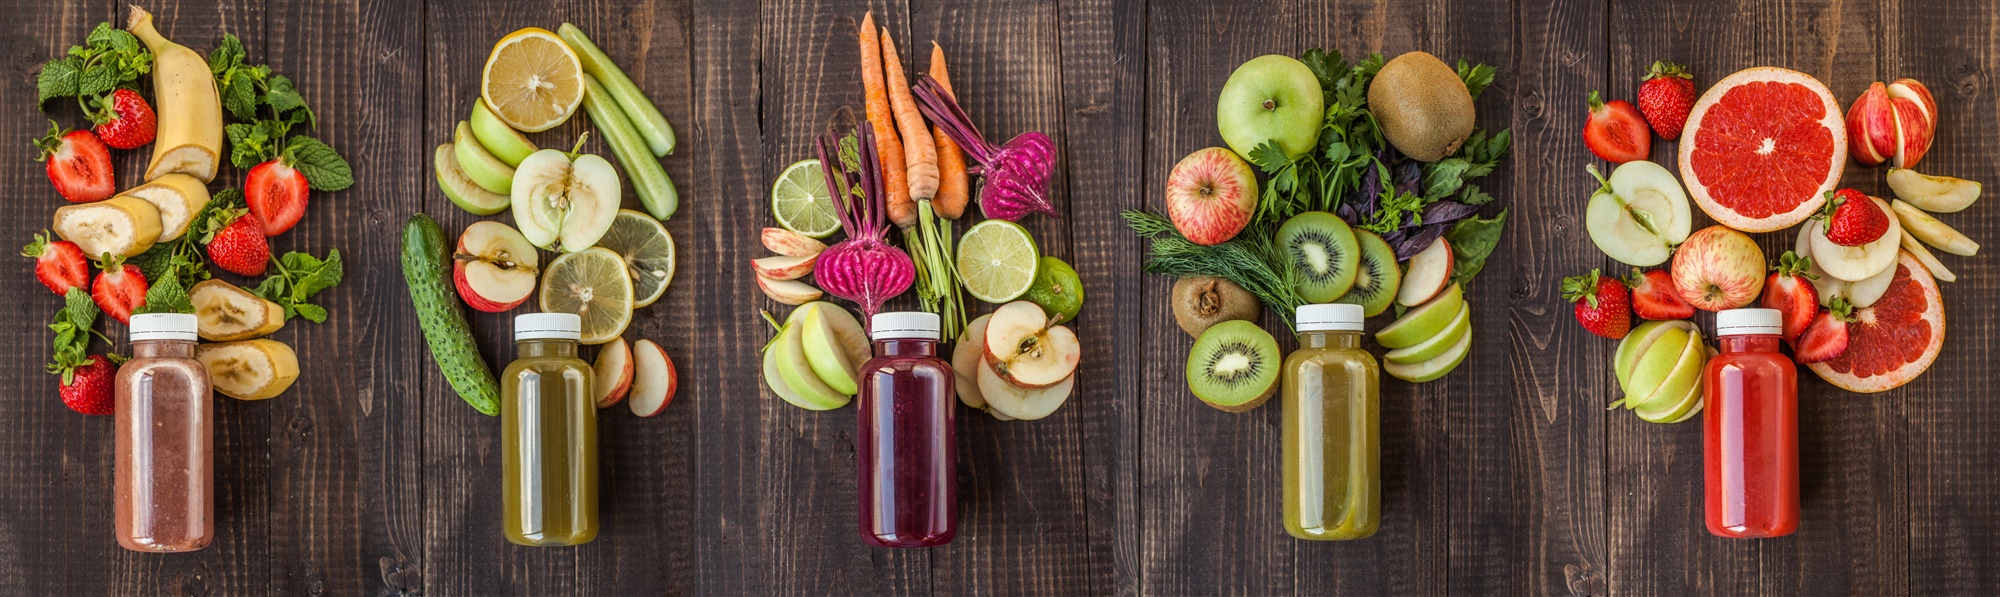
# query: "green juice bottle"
{"points": [[548, 435], [1333, 455]]}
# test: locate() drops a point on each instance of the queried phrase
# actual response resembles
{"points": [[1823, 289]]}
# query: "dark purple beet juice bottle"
{"points": [[908, 445]]}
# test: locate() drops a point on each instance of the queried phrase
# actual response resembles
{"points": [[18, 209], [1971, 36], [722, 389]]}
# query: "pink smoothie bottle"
{"points": [[164, 494], [908, 447]]}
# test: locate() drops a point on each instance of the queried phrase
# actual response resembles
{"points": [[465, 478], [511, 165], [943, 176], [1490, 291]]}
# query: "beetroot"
{"points": [[864, 268], [1016, 174]]}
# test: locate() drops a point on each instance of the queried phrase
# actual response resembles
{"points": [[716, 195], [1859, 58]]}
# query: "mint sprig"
{"points": [[109, 58], [299, 277], [266, 107]]}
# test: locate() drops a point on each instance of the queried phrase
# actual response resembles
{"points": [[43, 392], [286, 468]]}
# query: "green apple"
{"points": [[1674, 412], [1636, 343], [485, 170], [1666, 368], [564, 202], [1686, 374], [460, 189], [1436, 366], [1271, 98], [797, 373], [1638, 215], [1435, 345], [835, 344], [1422, 322], [499, 139]]}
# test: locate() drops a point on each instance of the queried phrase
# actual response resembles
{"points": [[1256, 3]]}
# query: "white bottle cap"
{"points": [[548, 326], [1339, 317], [163, 326], [904, 324], [1749, 322]]}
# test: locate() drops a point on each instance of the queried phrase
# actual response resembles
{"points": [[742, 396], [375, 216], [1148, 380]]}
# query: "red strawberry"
{"points": [[1852, 219], [277, 194], [87, 386], [1666, 97], [1616, 131], [79, 164], [60, 265], [1603, 304], [1826, 338], [1789, 289], [1654, 296], [119, 288], [239, 244], [126, 121]]}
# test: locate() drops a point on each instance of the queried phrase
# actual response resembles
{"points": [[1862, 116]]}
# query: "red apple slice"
{"points": [[790, 292], [783, 267], [1026, 351], [494, 268], [653, 381], [612, 375], [1430, 272], [967, 355], [791, 244]]}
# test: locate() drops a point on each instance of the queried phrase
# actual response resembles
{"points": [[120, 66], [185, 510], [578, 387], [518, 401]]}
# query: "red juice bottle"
{"points": [[1750, 429], [907, 449]]}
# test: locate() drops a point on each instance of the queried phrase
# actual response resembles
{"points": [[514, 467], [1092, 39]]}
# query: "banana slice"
{"points": [[226, 312], [122, 225], [1933, 232], [249, 370], [178, 197]]}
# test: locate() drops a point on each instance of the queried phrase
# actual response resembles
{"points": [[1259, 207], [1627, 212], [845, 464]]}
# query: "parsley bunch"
{"points": [[108, 60], [266, 107]]}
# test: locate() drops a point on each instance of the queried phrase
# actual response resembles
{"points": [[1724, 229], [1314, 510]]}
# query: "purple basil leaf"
{"points": [[1444, 212], [1414, 243]]}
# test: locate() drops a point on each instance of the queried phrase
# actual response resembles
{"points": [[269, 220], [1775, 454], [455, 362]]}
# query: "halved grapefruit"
{"points": [[1762, 147], [1896, 339]]}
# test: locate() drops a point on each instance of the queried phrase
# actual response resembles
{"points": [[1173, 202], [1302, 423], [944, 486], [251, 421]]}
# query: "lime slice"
{"points": [[592, 284], [801, 202], [648, 252], [997, 259]]}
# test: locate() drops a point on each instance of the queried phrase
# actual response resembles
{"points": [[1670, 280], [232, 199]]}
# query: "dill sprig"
{"points": [[1251, 260]]}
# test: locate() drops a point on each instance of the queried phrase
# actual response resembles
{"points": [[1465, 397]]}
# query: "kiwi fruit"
{"points": [[1200, 302], [1423, 107], [1320, 250], [1376, 279], [1234, 366]]}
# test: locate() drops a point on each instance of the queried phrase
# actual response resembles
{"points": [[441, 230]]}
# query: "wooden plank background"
{"points": [[1507, 477]]}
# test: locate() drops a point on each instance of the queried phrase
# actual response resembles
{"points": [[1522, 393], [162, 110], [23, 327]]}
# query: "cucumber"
{"points": [[655, 189], [427, 268], [645, 116]]}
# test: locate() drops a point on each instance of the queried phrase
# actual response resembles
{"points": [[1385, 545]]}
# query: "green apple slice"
{"points": [[499, 139], [1636, 343], [1686, 374], [1435, 345], [830, 341], [1699, 403], [1654, 364], [1676, 411], [1422, 322], [460, 189], [479, 165], [1665, 371], [1436, 366], [797, 373]]}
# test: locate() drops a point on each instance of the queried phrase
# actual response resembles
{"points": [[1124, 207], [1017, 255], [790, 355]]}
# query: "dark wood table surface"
{"points": [[1507, 477]]}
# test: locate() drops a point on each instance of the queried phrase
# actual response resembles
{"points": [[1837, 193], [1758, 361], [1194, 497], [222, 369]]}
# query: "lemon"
{"points": [[997, 260], [648, 252], [532, 80], [801, 203], [592, 284]]}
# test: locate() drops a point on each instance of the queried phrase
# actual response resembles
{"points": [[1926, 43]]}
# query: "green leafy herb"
{"points": [[1394, 212], [323, 167], [74, 327], [166, 296], [1476, 78], [260, 135], [1472, 240], [1250, 260], [299, 277], [109, 58]]}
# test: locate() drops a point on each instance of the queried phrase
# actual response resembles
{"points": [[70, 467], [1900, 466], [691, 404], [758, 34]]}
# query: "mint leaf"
{"points": [[1472, 240], [325, 170], [166, 296], [283, 98], [313, 313], [227, 55], [59, 78], [299, 277], [97, 79], [239, 95], [1476, 78], [248, 144]]}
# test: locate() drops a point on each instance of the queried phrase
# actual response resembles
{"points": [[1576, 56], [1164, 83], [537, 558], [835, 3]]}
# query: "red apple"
{"points": [[494, 268], [1429, 274], [1892, 123], [654, 379], [1026, 350], [1211, 195], [1718, 268], [612, 374]]}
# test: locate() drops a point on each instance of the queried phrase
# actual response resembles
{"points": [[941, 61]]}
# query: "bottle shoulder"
{"points": [[546, 364], [1330, 356]]}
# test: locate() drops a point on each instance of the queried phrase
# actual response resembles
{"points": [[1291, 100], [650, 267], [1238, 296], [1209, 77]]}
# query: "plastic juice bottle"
{"points": [[1333, 476], [548, 435], [165, 440], [1750, 429], [908, 445]]}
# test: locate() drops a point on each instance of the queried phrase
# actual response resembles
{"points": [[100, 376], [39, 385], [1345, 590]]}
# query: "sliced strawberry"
{"points": [[126, 122], [119, 288], [1789, 289], [60, 265], [1654, 296], [88, 387], [277, 194], [1616, 131], [1826, 338], [79, 164]]}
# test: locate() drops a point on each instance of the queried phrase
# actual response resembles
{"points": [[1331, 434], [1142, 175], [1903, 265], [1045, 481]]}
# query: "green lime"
{"points": [[997, 259], [801, 203], [1056, 289]]}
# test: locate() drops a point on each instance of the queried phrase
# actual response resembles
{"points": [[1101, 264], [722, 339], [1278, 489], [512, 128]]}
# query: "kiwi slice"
{"points": [[1377, 278], [1234, 366], [1320, 249]]}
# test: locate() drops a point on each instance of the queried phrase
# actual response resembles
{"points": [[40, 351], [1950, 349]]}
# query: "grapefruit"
{"points": [[1762, 148], [1894, 340]]}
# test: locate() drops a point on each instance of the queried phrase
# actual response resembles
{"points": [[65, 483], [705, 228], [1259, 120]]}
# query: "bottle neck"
{"points": [[163, 349], [906, 347], [1748, 343], [1329, 339], [524, 349]]}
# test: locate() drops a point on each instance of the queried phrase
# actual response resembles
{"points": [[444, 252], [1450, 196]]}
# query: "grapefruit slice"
{"points": [[1762, 147], [1895, 340]]}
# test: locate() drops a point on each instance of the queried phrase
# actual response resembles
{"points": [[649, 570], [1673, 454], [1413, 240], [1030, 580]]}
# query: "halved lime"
{"points": [[801, 203], [997, 259], [592, 284], [648, 252]]}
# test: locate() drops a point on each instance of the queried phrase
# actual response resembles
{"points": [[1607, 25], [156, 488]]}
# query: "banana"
{"points": [[189, 139], [1935, 194], [178, 196], [122, 225], [1932, 232], [225, 312], [251, 369]]}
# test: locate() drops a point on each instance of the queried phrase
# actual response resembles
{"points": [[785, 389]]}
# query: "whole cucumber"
{"points": [[427, 268]]}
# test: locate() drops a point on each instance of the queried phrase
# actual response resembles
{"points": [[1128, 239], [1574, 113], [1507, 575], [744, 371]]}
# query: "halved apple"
{"points": [[836, 344], [611, 376], [1434, 367], [1666, 370], [564, 205], [1935, 194], [653, 379], [1422, 322], [1026, 351], [460, 188], [494, 267], [1019, 402], [783, 267], [1854, 264], [1430, 272], [1434, 345], [488, 172], [1638, 215]]}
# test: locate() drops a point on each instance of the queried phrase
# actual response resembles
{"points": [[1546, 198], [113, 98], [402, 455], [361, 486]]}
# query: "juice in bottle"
{"points": [[907, 447], [1333, 488], [165, 440], [548, 435], [1750, 429]]}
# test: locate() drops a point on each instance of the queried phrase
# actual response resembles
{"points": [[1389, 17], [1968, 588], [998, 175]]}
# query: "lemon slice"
{"points": [[532, 80], [592, 284], [801, 203], [648, 252], [997, 259]]}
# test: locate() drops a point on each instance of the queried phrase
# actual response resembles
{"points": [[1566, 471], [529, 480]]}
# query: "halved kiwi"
{"points": [[1320, 249], [1377, 278], [1234, 366]]}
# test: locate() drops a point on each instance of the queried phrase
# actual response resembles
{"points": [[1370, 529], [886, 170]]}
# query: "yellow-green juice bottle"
{"points": [[548, 435], [1333, 455]]}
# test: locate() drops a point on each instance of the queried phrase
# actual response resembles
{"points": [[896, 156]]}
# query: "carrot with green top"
{"points": [[954, 184], [919, 153], [876, 97]]}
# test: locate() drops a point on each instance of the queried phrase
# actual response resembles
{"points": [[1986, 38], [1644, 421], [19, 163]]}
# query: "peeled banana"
{"points": [[189, 108], [1933, 232], [225, 312], [122, 225], [249, 370], [179, 198]]}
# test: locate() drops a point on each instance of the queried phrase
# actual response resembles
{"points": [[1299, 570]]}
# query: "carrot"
{"points": [[953, 183], [919, 152], [887, 147]]}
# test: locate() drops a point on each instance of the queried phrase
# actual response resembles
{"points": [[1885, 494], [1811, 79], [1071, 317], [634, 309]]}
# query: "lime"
{"points": [[1056, 289], [592, 284], [801, 203], [648, 252], [997, 260]]}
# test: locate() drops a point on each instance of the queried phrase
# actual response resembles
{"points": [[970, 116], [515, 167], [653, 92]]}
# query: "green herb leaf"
{"points": [[1476, 78], [248, 144], [227, 55], [72, 327], [299, 277], [1472, 240], [325, 170], [97, 79], [313, 313], [1395, 211], [1471, 195], [284, 98], [1328, 67], [166, 296], [1443, 177], [59, 78], [1269, 157], [239, 96]]}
